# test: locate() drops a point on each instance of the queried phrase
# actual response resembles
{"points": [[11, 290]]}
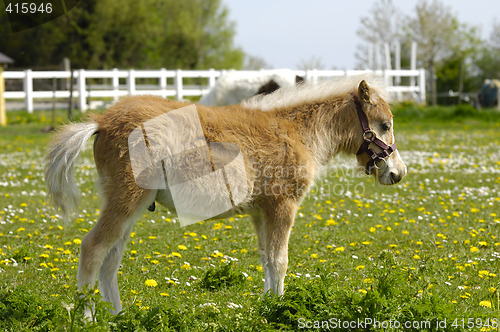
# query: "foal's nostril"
{"points": [[395, 178]]}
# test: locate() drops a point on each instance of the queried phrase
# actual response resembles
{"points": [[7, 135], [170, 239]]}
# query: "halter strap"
{"points": [[370, 137]]}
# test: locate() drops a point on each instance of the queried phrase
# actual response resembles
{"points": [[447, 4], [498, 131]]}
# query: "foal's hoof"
{"points": [[87, 316], [152, 207]]}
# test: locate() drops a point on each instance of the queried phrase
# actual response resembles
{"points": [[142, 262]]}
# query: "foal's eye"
{"points": [[386, 126]]}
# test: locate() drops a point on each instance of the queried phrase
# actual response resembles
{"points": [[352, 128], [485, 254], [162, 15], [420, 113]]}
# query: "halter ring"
{"points": [[369, 136], [380, 167]]}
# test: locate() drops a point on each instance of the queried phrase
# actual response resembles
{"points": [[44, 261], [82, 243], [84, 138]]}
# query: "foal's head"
{"points": [[377, 150]]}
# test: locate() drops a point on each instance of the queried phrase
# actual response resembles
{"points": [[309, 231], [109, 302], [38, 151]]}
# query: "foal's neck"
{"points": [[326, 127]]}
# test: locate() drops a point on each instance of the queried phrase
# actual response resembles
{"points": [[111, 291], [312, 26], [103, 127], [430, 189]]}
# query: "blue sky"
{"points": [[285, 31]]}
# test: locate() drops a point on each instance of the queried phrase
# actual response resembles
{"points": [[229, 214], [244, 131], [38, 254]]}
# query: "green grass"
{"points": [[426, 249]]}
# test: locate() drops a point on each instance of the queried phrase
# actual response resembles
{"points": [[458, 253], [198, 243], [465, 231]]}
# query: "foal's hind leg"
{"points": [[259, 225], [106, 241], [280, 215], [108, 282]]}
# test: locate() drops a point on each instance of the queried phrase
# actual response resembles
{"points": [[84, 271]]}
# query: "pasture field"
{"points": [[423, 255]]}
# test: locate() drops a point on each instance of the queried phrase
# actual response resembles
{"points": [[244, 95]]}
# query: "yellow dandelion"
{"points": [[151, 283], [217, 254], [416, 257], [360, 267], [314, 255], [77, 241], [176, 254], [362, 291], [339, 249], [474, 249], [483, 273], [486, 304], [182, 247]]}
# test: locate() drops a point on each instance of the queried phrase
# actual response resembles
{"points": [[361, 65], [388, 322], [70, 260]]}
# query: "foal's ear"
{"points": [[364, 92]]}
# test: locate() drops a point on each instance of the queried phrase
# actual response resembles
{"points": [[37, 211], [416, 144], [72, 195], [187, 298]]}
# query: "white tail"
{"points": [[63, 151]]}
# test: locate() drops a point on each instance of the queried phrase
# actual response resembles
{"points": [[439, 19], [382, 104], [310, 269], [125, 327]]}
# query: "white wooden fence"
{"points": [[85, 91]]}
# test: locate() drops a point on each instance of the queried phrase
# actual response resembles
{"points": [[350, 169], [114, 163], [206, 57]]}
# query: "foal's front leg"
{"points": [[279, 218]]}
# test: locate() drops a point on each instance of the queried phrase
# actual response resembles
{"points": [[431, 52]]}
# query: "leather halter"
{"points": [[370, 137]]}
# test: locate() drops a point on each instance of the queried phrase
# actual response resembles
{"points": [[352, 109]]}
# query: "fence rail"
{"points": [[86, 89]]}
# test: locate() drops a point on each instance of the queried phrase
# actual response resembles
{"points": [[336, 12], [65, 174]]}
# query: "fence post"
{"points": [[3, 114], [178, 84], [498, 99], [387, 78], [28, 89], [116, 84], [131, 82], [423, 97], [211, 79], [311, 76], [163, 82], [82, 92]]}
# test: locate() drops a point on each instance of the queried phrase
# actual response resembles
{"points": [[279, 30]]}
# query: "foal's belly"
{"points": [[164, 197]]}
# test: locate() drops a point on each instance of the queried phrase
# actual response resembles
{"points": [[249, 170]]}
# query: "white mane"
{"points": [[309, 92]]}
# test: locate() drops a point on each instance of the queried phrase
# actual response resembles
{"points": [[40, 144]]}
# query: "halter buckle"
{"points": [[390, 150]]}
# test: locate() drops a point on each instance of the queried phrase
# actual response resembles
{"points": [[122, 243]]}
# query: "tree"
{"points": [[434, 28], [312, 63], [442, 40], [383, 27], [189, 34], [486, 62], [253, 62], [495, 36]]}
